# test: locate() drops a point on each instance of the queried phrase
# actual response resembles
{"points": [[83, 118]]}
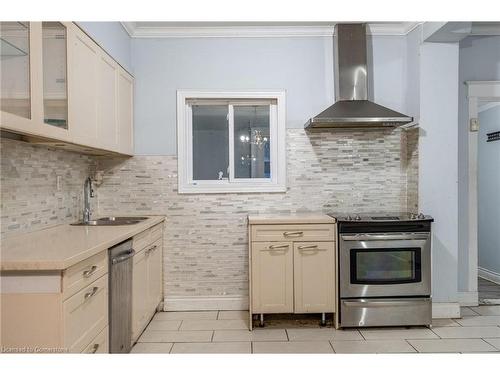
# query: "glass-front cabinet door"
{"points": [[54, 63], [15, 70]]}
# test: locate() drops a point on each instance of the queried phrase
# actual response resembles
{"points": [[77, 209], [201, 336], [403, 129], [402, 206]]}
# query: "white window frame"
{"points": [[277, 182]]}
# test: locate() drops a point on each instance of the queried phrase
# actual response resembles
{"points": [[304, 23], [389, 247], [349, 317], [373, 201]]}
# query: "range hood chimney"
{"points": [[352, 108]]}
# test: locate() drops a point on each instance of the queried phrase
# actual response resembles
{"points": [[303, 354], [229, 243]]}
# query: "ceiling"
{"points": [[155, 29]]}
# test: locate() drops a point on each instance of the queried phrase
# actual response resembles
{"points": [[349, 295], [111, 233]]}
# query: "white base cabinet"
{"points": [[147, 278], [54, 312], [292, 268]]}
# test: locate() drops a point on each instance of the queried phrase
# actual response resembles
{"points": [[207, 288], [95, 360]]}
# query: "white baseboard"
{"points": [[468, 298], [445, 310], [200, 303], [488, 275]]}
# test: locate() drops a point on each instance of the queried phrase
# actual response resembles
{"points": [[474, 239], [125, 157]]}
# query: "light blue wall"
{"points": [[113, 38], [302, 66], [479, 61], [438, 166], [489, 192]]}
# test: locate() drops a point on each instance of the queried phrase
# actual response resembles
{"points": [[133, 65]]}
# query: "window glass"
{"points": [[251, 142], [210, 142]]}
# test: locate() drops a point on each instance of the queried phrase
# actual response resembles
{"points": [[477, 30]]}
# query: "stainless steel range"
{"points": [[384, 269]]}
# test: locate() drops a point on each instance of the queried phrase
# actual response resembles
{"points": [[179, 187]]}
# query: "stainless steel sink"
{"points": [[113, 220]]}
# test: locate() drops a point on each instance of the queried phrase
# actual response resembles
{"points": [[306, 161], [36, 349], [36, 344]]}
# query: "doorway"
{"points": [[488, 191], [483, 187]]}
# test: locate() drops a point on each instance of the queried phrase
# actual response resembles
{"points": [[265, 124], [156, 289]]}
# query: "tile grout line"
{"points": [[493, 346], [409, 343]]}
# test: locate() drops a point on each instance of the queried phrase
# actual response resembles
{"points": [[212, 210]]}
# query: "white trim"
{"points": [[492, 276], [477, 92], [468, 298], [445, 310], [277, 182], [258, 31], [199, 303]]}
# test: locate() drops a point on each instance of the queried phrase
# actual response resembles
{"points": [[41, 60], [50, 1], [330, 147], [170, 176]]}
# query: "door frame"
{"points": [[477, 92]]}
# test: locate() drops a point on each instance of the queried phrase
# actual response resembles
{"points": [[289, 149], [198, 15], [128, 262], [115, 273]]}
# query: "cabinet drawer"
{"points": [[84, 273], [85, 315], [99, 344], [141, 240], [302, 232], [156, 232]]}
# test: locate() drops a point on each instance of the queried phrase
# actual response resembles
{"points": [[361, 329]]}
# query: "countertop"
{"points": [[305, 218], [62, 246]]}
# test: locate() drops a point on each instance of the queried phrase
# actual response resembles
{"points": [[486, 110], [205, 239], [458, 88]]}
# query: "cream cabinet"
{"points": [[57, 311], [314, 277], [292, 266], [63, 89], [147, 278], [272, 277]]}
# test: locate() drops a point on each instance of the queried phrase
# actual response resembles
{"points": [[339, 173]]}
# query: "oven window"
{"points": [[385, 266]]}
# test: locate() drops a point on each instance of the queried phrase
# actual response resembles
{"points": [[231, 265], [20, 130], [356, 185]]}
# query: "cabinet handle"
{"points": [[308, 247], [273, 247], [90, 294], [94, 348], [151, 249], [89, 272], [289, 234]]}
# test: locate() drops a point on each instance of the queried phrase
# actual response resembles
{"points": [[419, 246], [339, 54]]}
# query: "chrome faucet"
{"points": [[88, 192]]}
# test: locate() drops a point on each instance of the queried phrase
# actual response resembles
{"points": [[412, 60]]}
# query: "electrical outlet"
{"points": [[58, 183]]}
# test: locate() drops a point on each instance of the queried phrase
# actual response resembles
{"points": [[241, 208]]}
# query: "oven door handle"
{"points": [[373, 303], [383, 236]]}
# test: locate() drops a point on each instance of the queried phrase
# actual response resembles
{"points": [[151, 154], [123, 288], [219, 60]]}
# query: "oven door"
{"points": [[385, 265]]}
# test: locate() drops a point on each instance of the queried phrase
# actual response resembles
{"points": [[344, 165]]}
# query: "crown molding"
{"points": [[138, 31]]}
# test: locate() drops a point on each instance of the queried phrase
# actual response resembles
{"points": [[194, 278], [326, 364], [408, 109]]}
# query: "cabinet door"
{"points": [[139, 293], [83, 77], [155, 278], [20, 77], [125, 113], [54, 67], [107, 104], [314, 277], [272, 277]]}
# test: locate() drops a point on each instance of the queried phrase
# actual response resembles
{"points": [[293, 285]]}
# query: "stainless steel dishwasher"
{"points": [[120, 297]]}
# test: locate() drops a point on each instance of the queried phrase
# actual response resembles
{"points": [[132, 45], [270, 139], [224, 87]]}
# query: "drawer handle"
{"points": [[289, 234], [151, 249], [89, 272], [90, 294], [308, 247], [94, 348], [273, 247]]}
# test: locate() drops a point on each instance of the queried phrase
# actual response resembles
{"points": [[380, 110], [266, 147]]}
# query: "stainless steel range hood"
{"points": [[352, 108]]}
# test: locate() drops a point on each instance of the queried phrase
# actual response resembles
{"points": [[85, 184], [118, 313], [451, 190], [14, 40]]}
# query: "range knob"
{"points": [[421, 216], [357, 218], [413, 216], [348, 218]]}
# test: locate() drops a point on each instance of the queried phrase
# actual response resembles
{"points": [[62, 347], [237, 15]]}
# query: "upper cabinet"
{"points": [[58, 84]]}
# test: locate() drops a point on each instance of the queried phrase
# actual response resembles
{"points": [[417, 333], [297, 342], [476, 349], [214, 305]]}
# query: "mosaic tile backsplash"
{"points": [[205, 252], [30, 199]]}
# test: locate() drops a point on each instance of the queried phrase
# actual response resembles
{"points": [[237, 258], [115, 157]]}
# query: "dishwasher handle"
{"points": [[124, 257]]}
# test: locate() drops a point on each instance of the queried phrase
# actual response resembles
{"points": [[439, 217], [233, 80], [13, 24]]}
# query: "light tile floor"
{"points": [[226, 332], [488, 290]]}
